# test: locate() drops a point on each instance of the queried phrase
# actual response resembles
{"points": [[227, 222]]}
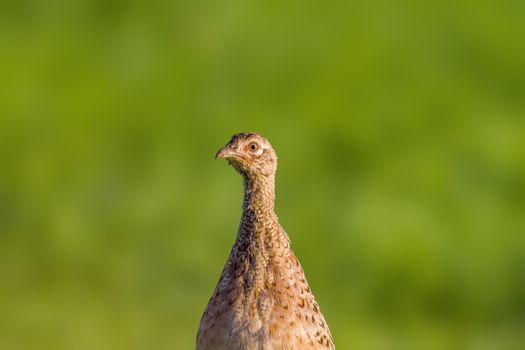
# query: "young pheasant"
{"points": [[262, 300]]}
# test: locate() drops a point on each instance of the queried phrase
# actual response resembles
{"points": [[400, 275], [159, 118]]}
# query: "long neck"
{"points": [[259, 195], [260, 237], [259, 223]]}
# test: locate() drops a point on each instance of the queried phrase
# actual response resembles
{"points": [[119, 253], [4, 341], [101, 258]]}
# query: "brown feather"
{"points": [[262, 300]]}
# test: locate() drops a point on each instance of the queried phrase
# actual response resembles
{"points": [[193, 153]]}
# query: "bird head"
{"points": [[250, 154]]}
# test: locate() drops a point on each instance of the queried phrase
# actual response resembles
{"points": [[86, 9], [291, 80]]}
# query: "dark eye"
{"points": [[253, 147]]}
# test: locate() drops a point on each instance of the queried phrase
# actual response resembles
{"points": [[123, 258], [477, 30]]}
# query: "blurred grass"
{"points": [[400, 132]]}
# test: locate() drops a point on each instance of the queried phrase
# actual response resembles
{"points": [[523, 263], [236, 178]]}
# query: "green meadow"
{"points": [[400, 131]]}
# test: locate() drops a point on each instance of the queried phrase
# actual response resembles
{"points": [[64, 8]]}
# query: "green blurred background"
{"points": [[400, 130]]}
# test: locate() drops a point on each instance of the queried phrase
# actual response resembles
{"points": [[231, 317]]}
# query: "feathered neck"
{"points": [[259, 194], [260, 237]]}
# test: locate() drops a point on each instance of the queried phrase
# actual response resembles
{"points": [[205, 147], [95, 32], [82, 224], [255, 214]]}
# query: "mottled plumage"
{"points": [[262, 300]]}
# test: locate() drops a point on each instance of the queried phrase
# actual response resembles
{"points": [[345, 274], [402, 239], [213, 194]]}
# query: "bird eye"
{"points": [[253, 146]]}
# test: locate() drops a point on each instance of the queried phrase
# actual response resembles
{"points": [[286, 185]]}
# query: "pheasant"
{"points": [[262, 300]]}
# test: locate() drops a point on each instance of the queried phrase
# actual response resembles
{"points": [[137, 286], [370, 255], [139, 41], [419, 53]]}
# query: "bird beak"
{"points": [[226, 152]]}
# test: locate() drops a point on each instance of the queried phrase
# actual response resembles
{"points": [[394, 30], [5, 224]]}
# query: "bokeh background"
{"points": [[400, 130]]}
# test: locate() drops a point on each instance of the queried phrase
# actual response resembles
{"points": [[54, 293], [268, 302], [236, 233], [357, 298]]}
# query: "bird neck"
{"points": [[258, 216], [260, 237], [259, 195]]}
